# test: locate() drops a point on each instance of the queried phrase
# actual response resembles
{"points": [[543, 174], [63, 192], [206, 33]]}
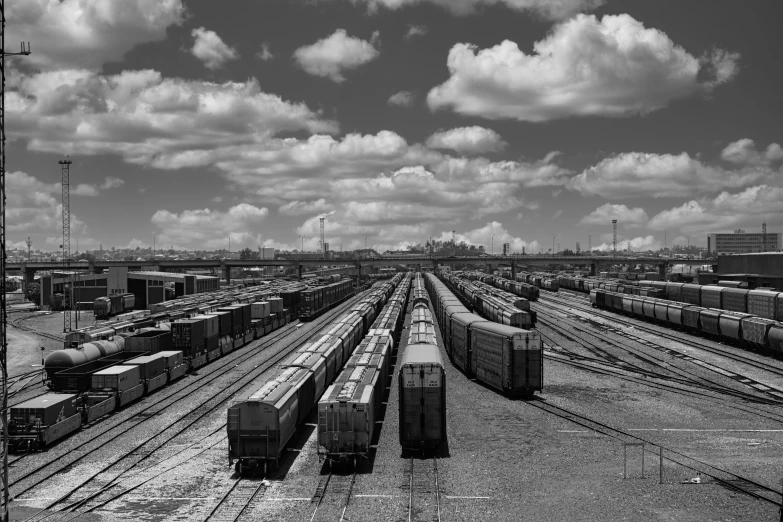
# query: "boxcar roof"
{"points": [[422, 354]]}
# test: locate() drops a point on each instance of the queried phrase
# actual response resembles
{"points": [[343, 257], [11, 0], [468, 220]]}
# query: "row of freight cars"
{"points": [[726, 325], [349, 409], [540, 280], [265, 416], [762, 303], [94, 379], [422, 381], [105, 307], [495, 305], [504, 357]]}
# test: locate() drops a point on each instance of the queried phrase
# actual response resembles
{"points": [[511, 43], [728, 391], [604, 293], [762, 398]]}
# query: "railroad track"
{"points": [[242, 494], [661, 382], [642, 326], [17, 323], [423, 491], [342, 487], [726, 478], [198, 412], [773, 395]]}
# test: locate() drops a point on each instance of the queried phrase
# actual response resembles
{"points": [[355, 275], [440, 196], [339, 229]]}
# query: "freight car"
{"points": [[764, 303], [39, 422], [422, 381], [747, 329], [264, 417], [105, 307], [506, 358]]}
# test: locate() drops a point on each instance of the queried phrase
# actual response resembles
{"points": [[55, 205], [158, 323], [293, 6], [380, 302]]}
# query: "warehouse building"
{"points": [[758, 270], [148, 287], [741, 242]]}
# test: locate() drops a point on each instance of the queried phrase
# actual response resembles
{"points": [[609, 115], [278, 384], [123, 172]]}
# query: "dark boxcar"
{"points": [[422, 406], [460, 349], [507, 358], [691, 294], [735, 299], [712, 296], [762, 303]]}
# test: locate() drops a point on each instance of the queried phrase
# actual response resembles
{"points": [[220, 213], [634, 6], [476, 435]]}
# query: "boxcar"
{"points": [[422, 405], [507, 358]]}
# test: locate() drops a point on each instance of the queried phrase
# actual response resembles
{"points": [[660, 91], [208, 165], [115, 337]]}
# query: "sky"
{"points": [[506, 121]]}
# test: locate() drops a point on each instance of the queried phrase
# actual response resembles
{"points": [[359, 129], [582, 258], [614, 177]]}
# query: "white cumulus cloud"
{"points": [[86, 34], [627, 217], [402, 98], [550, 9], [584, 67], [637, 174], [329, 57], [210, 48], [300, 208], [744, 152], [467, 140], [265, 53], [211, 228], [415, 30]]}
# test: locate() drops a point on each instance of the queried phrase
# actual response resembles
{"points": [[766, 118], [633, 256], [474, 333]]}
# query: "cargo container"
{"points": [[45, 410], [79, 378], [38, 422], [188, 335], [276, 304], [422, 403], [260, 310], [117, 378], [211, 324], [224, 323]]}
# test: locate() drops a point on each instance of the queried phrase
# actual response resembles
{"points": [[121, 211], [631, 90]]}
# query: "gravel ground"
{"points": [[504, 460]]}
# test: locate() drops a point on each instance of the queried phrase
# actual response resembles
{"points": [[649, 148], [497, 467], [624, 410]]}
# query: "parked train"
{"points": [[504, 357], [764, 303], [348, 410], [105, 307], [727, 325], [182, 344], [493, 307], [263, 418], [422, 383]]}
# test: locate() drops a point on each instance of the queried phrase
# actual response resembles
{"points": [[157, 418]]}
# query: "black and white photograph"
{"points": [[391, 260]]}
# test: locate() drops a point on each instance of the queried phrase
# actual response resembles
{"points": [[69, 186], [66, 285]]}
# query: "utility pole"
{"points": [[614, 241], [65, 169], [764, 237], [25, 50], [553, 243], [323, 241], [590, 243], [453, 242], [29, 243], [493, 245]]}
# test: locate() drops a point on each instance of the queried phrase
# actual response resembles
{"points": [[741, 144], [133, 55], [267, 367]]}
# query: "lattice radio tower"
{"points": [[68, 286], [614, 240], [24, 51]]}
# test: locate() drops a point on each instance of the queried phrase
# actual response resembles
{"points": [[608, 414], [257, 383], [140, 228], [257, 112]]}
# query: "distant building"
{"points": [[741, 242]]}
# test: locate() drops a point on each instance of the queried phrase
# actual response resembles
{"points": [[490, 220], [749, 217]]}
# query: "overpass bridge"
{"points": [[354, 265]]}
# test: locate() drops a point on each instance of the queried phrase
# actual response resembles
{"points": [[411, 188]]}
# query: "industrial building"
{"points": [[741, 242], [148, 287], [758, 270]]}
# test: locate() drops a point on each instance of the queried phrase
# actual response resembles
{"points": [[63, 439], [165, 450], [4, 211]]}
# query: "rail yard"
{"points": [[435, 396]]}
